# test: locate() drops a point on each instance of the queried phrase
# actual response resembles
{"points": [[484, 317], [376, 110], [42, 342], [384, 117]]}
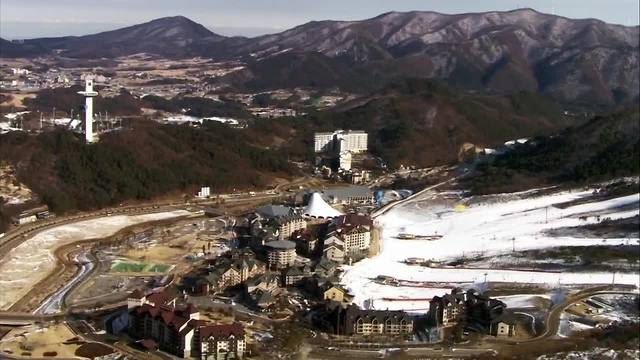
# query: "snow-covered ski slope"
{"points": [[488, 228]]}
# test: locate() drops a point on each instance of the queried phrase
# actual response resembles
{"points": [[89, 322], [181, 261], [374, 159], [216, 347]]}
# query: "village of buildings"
{"points": [[283, 263], [141, 76], [336, 259]]}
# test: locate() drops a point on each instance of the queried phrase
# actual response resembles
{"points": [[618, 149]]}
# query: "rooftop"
{"points": [[271, 211], [281, 244], [345, 192], [216, 331]]}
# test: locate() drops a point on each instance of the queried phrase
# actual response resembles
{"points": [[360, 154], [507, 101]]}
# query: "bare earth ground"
{"points": [[38, 340], [10, 189]]}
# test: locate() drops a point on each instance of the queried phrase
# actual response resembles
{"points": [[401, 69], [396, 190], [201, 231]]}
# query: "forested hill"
{"points": [[425, 123], [139, 163], [604, 148]]}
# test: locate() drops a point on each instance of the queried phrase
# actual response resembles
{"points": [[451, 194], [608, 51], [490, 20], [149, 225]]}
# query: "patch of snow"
{"points": [[13, 116], [597, 353], [523, 301], [183, 119]]}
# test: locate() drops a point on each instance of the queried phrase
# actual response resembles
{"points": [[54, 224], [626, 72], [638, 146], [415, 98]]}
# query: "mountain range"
{"points": [[579, 61]]}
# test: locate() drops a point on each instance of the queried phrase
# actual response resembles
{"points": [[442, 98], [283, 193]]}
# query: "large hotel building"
{"points": [[340, 141]]}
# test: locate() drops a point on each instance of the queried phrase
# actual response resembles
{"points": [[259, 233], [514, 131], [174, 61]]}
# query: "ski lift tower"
{"points": [[88, 94]]}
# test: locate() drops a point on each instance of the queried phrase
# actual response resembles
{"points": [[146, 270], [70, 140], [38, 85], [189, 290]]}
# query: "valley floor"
{"points": [[33, 260]]}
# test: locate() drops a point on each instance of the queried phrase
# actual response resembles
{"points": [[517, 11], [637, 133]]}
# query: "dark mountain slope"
{"points": [[299, 69], [421, 122], [11, 49], [605, 147], [140, 163], [171, 37], [585, 61]]}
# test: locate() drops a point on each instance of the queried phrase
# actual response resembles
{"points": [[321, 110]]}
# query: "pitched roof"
{"points": [[281, 220], [272, 211], [136, 294], [293, 271], [333, 238], [353, 312], [161, 297], [353, 219], [353, 229], [304, 235], [171, 317], [217, 331]]}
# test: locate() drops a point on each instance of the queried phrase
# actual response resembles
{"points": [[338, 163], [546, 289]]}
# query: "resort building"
{"points": [[355, 141], [355, 321], [281, 254]]}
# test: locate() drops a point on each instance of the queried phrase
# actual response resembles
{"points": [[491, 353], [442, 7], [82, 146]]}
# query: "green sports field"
{"points": [[132, 267]]}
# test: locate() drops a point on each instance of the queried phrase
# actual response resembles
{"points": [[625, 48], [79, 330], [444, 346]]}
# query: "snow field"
{"points": [[488, 229]]}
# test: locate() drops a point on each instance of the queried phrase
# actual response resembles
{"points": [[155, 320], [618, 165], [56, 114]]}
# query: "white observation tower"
{"points": [[88, 94]]}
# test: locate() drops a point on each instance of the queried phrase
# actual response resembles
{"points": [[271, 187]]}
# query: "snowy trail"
{"points": [[487, 229]]}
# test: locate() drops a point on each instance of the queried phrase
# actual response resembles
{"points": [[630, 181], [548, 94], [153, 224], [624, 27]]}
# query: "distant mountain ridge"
{"points": [[575, 60], [175, 36], [586, 61]]}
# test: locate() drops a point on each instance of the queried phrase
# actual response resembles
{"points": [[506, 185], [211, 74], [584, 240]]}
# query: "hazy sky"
{"points": [[36, 18]]}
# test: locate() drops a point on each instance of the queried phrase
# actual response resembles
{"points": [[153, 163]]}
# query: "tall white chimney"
{"points": [[88, 94]]}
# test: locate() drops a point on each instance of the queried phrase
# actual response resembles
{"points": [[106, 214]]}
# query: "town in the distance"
{"points": [[314, 195]]}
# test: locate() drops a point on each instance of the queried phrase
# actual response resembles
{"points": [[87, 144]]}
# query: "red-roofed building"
{"points": [[136, 298], [179, 331], [163, 297], [222, 342], [353, 220], [172, 328]]}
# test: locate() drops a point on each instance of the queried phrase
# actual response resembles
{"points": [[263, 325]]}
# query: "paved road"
{"points": [[553, 318]]}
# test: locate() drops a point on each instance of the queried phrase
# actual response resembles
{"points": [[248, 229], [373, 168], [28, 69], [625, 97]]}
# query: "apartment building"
{"points": [[355, 141], [180, 332], [287, 225], [281, 254], [356, 321]]}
